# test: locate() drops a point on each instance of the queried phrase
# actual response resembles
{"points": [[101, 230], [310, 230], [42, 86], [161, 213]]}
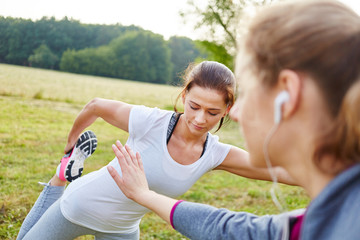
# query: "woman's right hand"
{"points": [[114, 112], [133, 181], [72, 139]]}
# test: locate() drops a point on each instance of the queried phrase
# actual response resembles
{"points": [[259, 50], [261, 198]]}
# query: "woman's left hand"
{"points": [[134, 185], [133, 181]]}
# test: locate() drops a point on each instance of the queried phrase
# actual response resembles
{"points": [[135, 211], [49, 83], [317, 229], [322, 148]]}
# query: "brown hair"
{"points": [[211, 75], [321, 39]]}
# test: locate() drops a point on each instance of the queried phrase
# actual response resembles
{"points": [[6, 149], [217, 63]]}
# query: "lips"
{"points": [[198, 127]]}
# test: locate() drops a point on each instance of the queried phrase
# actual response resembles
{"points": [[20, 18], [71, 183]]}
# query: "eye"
{"points": [[193, 108], [213, 114]]}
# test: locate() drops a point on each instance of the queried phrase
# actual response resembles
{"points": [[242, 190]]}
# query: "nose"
{"points": [[235, 111], [200, 117]]}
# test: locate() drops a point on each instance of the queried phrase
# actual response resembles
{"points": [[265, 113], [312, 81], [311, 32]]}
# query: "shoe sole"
{"points": [[84, 147]]}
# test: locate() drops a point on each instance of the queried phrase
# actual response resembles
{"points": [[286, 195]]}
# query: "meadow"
{"points": [[38, 108]]}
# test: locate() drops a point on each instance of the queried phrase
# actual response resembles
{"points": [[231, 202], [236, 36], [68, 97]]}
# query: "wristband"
{"points": [[172, 212]]}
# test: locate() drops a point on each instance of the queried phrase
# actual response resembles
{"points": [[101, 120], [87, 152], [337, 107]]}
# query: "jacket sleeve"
{"points": [[199, 221]]}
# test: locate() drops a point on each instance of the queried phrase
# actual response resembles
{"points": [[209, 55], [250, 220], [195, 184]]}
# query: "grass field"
{"points": [[38, 108]]}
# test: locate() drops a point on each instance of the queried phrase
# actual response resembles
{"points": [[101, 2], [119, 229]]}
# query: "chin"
{"points": [[198, 132]]}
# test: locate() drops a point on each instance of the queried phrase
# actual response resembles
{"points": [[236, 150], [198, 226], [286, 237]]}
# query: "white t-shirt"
{"points": [[95, 201]]}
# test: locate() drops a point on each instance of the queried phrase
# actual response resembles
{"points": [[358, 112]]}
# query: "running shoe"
{"points": [[72, 164]]}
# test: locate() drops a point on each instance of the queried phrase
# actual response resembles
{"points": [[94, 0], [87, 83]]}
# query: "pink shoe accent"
{"points": [[72, 163], [63, 166]]}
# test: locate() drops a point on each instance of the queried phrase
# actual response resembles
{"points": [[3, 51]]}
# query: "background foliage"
{"points": [[112, 51], [141, 56], [38, 108], [127, 52]]}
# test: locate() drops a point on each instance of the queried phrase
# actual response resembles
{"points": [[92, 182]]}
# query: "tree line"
{"points": [[118, 51]]}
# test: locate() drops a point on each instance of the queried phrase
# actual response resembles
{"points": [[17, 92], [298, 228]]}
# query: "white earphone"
{"points": [[280, 99]]}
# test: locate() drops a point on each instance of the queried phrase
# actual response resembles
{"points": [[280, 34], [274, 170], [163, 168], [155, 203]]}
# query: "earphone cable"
{"points": [[274, 188]]}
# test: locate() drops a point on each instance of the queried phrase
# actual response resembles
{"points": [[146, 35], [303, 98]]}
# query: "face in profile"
{"points": [[253, 112]]}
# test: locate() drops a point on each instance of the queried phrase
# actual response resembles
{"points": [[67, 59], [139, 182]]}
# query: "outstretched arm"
{"points": [[196, 221], [114, 112], [134, 185], [238, 162]]}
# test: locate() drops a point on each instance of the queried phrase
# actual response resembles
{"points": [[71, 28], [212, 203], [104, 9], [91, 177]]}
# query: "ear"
{"points": [[183, 95], [227, 111], [290, 81]]}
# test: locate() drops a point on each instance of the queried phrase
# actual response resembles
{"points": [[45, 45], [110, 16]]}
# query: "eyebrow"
{"points": [[213, 109]]}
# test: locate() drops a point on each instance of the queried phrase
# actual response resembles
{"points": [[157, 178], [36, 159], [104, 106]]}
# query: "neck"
{"points": [[313, 181], [307, 174], [298, 151]]}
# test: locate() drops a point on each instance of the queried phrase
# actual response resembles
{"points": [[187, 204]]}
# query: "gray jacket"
{"points": [[333, 215]]}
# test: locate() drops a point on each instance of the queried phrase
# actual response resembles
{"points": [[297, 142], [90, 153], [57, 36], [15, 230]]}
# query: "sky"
{"points": [[158, 16]]}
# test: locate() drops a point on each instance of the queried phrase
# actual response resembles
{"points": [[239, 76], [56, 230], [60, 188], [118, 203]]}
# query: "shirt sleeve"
{"points": [[222, 150], [199, 221], [140, 120], [218, 152]]}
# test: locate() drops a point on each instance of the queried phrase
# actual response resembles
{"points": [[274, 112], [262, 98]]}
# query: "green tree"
{"points": [[20, 37], [19, 42], [215, 52], [220, 19], [92, 61], [43, 57], [183, 52], [142, 56], [4, 37], [68, 62]]}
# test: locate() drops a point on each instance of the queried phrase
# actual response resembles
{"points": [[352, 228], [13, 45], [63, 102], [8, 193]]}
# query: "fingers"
{"points": [[121, 153], [115, 175], [132, 155], [139, 161], [126, 155], [119, 156], [68, 148], [132, 181]]}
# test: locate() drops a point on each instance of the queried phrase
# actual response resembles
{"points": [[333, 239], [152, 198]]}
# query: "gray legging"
{"points": [[45, 221]]}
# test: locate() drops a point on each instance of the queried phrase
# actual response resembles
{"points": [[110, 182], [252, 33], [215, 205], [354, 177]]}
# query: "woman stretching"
{"points": [[177, 149], [299, 109]]}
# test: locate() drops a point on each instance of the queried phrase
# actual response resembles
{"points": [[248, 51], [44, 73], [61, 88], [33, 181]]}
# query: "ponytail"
{"points": [[342, 140]]}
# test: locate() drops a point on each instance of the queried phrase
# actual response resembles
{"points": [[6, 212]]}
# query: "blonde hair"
{"points": [[321, 39]]}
